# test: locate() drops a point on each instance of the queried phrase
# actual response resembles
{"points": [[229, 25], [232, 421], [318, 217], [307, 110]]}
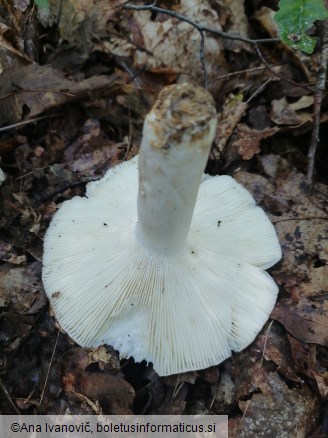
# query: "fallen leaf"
{"points": [[168, 43], [10, 56], [265, 15], [284, 113], [33, 89], [248, 140], [307, 319], [275, 347], [9, 254], [232, 111], [114, 394], [236, 25], [277, 411], [20, 286]]}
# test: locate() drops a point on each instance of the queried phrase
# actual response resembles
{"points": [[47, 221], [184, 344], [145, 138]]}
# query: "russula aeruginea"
{"points": [[164, 264]]}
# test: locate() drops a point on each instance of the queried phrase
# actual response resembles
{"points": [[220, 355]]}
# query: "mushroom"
{"points": [[164, 264], [2, 176]]}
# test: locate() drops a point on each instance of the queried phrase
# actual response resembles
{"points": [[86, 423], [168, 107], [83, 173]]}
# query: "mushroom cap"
{"points": [[2, 176], [181, 312]]}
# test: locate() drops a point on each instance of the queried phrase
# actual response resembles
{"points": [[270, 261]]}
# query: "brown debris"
{"points": [[248, 140], [80, 78]]}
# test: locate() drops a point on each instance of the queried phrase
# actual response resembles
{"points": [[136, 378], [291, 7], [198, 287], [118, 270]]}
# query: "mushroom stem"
{"points": [[177, 137]]}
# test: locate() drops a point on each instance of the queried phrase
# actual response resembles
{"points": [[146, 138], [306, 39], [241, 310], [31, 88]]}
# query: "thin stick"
{"points": [[49, 368], [202, 58], [201, 29], [265, 342], [320, 89], [26, 122], [298, 219]]}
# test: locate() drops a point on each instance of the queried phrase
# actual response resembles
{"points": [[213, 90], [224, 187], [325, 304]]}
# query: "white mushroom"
{"points": [[2, 176], [152, 271]]}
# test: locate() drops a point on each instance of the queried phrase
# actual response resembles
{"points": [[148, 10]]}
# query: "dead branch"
{"points": [[319, 92], [153, 8], [202, 29]]}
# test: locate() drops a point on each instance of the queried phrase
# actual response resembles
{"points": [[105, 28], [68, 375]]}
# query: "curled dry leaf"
{"points": [[284, 113], [168, 44], [10, 55], [248, 140]]}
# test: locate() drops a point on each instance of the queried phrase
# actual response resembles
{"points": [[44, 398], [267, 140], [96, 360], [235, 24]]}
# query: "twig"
{"points": [[201, 29], [4, 389], [153, 8], [97, 409], [259, 90], [26, 122], [202, 58], [265, 342], [241, 72], [277, 75], [48, 196], [319, 91], [298, 219], [36, 90], [49, 368]]}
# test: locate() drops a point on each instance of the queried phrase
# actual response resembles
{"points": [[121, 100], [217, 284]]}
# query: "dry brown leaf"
{"points": [[115, 395], [270, 407], [233, 110], [10, 56], [303, 232], [277, 411], [306, 319], [20, 286], [168, 43], [80, 19], [9, 254], [105, 357], [301, 221], [265, 16], [275, 347], [42, 88], [284, 113], [238, 24]]}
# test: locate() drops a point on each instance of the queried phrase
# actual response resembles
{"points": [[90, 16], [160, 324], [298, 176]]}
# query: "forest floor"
{"points": [[77, 79]]}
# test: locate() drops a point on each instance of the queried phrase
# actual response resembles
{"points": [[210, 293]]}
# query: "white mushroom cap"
{"points": [[2, 176], [182, 311]]}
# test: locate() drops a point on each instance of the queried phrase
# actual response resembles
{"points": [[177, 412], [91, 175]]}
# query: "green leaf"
{"points": [[42, 3], [295, 17]]}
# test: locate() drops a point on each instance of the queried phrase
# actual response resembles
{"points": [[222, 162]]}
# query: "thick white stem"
{"points": [[177, 137]]}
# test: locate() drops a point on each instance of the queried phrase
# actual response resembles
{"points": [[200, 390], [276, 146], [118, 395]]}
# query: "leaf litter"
{"points": [[82, 93]]}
